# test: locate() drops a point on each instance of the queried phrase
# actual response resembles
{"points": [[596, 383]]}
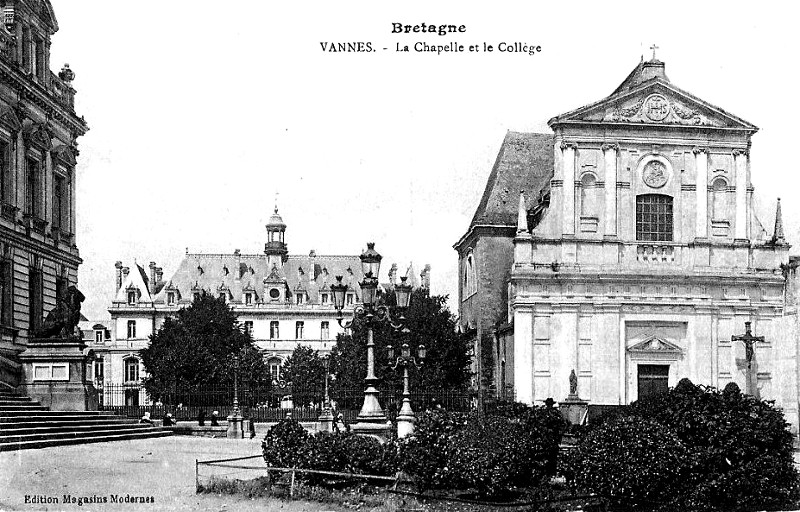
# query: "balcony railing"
{"points": [[655, 254]]}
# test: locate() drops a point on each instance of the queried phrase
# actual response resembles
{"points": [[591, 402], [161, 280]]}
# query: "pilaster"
{"points": [[701, 166], [523, 355], [568, 217], [740, 157], [610, 154]]}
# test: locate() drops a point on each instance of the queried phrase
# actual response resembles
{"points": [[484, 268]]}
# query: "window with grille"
{"points": [[274, 333], [131, 329], [654, 218], [298, 330], [325, 330]]}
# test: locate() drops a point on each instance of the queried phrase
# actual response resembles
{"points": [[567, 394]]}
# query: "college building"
{"points": [[283, 300], [624, 247]]}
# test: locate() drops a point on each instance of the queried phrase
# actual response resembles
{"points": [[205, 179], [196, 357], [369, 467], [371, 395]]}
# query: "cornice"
{"points": [[18, 240], [34, 93]]}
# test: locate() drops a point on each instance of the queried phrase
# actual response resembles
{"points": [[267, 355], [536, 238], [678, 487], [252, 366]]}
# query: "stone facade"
{"points": [[640, 256], [38, 132], [284, 301]]}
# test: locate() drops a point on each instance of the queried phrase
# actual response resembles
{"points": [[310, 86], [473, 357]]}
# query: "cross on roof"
{"points": [[654, 48]]}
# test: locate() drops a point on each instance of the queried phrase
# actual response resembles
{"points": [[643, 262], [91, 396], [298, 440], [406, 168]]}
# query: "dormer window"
{"points": [[131, 297], [248, 299], [98, 336], [300, 298], [274, 294], [349, 299], [170, 298], [324, 298], [223, 296], [196, 296]]}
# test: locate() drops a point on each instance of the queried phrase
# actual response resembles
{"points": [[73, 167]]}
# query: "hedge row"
{"points": [[491, 454]]}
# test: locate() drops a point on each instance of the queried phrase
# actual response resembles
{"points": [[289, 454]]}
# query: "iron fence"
{"points": [[268, 404]]}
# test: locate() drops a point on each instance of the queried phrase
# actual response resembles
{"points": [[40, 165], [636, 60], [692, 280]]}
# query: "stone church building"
{"points": [[624, 247]]}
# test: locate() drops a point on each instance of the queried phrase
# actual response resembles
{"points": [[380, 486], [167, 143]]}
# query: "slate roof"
{"points": [[525, 162], [236, 273]]}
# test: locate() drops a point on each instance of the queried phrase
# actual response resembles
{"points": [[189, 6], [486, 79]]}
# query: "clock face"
{"points": [[655, 174]]}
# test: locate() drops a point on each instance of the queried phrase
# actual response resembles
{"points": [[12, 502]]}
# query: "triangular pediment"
{"points": [[657, 103], [655, 344]]}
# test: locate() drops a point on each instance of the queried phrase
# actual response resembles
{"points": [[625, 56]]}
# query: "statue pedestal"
{"points": [[574, 410], [55, 374]]}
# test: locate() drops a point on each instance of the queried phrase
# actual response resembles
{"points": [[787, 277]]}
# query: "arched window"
{"points": [[654, 218], [131, 370], [719, 201], [589, 206]]}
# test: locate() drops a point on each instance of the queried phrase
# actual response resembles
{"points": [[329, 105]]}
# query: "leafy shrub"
{"points": [[736, 451], [515, 445], [633, 460], [425, 455], [284, 444], [287, 444]]}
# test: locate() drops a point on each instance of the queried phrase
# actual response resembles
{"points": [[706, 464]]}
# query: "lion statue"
{"points": [[62, 320]]}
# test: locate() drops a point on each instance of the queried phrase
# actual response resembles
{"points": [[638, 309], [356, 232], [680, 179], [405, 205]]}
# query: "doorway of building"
{"points": [[652, 379]]}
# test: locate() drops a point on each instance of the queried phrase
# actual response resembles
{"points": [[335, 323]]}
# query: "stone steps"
{"points": [[154, 432], [26, 424]]}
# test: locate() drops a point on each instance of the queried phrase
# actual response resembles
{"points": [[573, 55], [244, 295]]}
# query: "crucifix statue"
{"points": [[749, 341], [654, 48]]}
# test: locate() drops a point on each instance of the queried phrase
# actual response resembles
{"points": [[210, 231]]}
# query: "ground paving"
{"points": [[163, 469]]}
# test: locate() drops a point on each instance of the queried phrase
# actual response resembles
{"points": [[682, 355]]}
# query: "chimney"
{"points": [[118, 266], [159, 274], [152, 284], [237, 264], [393, 274], [125, 272]]}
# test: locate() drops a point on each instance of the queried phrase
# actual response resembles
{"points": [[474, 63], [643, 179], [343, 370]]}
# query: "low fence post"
{"points": [[291, 486], [196, 476]]}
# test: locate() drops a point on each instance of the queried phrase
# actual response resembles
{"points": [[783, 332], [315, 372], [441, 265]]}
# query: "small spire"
{"points": [[522, 214], [777, 237]]}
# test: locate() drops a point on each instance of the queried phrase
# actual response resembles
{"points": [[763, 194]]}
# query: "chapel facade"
{"points": [[624, 247], [38, 132]]}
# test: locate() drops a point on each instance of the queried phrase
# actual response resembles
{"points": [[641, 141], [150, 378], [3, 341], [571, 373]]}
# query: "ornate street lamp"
{"points": [[371, 418], [406, 417], [326, 416], [235, 420]]}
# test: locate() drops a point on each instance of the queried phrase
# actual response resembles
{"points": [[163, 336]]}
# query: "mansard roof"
{"points": [[248, 272], [647, 83], [524, 163]]}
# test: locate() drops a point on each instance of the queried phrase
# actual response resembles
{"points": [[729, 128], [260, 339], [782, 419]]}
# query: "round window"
{"points": [[274, 293]]}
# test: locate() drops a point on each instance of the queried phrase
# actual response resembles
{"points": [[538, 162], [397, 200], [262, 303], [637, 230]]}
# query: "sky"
{"points": [[201, 111]]}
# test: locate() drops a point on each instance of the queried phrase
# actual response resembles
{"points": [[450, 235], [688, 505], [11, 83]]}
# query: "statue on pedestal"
{"points": [[62, 320]]}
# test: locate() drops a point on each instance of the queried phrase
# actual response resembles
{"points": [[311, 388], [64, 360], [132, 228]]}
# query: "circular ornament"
{"points": [[654, 174], [656, 107]]}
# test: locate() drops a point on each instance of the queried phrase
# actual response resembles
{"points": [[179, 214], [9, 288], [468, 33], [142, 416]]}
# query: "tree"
{"points": [[447, 366], [305, 369], [197, 348]]}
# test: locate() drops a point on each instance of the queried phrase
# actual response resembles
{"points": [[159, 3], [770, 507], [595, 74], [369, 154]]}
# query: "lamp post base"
{"points": [[326, 420], [380, 431], [235, 426]]}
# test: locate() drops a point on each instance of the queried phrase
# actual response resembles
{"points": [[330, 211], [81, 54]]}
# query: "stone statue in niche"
{"points": [[62, 320]]}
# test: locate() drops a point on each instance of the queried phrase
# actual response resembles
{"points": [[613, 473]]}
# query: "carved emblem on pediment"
{"points": [[656, 107], [656, 344], [656, 308]]}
